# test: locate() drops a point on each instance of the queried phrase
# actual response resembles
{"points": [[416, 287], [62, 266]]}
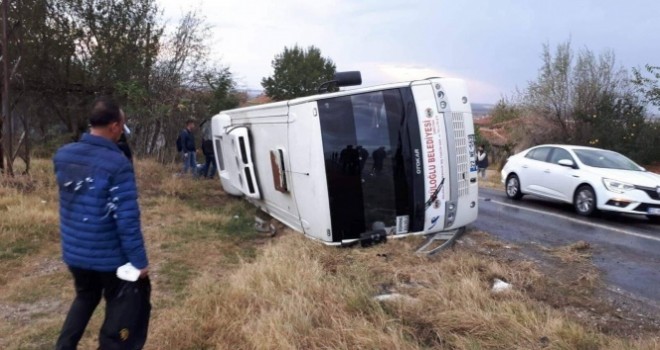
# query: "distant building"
{"points": [[256, 100]]}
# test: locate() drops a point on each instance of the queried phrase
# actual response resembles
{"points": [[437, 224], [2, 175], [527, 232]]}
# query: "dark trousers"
{"points": [[209, 168], [126, 315]]}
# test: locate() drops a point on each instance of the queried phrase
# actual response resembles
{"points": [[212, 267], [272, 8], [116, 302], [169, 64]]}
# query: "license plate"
{"points": [[654, 211], [402, 224]]}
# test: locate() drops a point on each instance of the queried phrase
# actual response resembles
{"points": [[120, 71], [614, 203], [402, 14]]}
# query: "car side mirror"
{"points": [[566, 162]]}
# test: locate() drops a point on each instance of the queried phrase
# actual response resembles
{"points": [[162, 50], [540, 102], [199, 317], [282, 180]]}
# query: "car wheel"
{"points": [[654, 219], [585, 200], [513, 187]]}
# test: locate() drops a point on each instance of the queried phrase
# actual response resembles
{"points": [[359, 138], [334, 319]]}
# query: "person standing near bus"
{"points": [[482, 161], [100, 231], [188, 149], [209, 168]]}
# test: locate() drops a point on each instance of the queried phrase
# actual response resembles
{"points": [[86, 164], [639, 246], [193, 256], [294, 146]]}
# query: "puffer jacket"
{"points": [[99, 214]]}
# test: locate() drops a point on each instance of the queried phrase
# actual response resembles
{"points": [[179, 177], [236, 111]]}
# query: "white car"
{"points": [[591, 179]]}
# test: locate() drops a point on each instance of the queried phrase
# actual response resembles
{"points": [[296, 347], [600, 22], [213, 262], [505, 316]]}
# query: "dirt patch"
{"points": [[24, 313], [570, 282]]}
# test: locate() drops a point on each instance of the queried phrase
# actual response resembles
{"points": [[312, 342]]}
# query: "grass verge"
{"points": [[218, 285]]}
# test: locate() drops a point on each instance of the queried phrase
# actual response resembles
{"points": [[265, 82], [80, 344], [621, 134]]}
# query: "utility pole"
{"points": [[5, 93]]}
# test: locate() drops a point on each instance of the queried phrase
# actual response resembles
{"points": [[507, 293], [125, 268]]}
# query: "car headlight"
{"points": [[617, 186]]}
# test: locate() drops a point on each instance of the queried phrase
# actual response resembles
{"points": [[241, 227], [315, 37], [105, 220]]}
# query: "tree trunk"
{"points": [[154, 137], [2, 151]]}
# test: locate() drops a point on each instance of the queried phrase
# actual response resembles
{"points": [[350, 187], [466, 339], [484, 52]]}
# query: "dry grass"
{"points": [[493, 179], [573, 253], [218, 285], [300, 295]]}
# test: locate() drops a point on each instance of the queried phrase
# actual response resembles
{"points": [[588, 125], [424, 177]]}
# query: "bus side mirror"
{"points": [[348, 78], [341, 79]]}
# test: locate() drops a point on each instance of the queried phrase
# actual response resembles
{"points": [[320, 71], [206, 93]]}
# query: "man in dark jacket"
{"points": [[188, 148], [100, 231], [482, 161], [209, 156]]}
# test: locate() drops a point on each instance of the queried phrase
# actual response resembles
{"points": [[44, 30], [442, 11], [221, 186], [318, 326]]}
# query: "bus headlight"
{"points": [[450, 214]]}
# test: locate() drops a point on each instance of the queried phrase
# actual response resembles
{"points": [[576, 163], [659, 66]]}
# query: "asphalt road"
{"points": [[625, 248]]}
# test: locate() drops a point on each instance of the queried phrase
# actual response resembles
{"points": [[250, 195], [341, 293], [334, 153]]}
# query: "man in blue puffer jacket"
{"points": [[100, 229]]}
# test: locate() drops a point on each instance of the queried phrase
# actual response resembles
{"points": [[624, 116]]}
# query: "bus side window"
{"points": [[279, 173], [218, 154]]}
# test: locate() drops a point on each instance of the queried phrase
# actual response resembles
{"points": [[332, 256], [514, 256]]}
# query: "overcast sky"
{"points": [[494, 45]]}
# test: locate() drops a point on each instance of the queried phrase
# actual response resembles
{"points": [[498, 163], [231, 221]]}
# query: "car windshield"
{"points": [[606, 159]]}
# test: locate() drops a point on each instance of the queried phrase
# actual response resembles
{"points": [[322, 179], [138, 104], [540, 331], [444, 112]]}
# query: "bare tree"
{"points": [[71, 51], [550, 94], [649, 86], [586, 100]]}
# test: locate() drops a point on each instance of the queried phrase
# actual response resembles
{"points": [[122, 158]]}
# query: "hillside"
{"points": [[219, 285]]}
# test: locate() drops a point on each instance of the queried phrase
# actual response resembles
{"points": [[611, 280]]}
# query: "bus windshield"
{"points": [[367, 146]]}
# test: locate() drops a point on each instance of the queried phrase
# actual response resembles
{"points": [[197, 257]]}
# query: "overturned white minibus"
{"points": [[390, 160]]}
